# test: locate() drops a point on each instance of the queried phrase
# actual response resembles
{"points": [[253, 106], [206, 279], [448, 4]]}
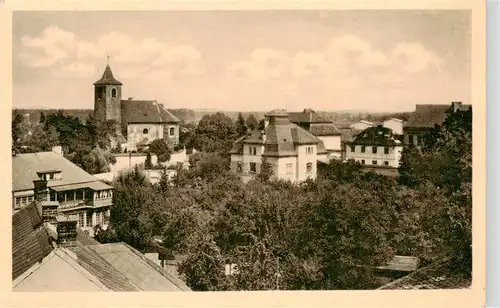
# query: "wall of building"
{"points": [[135, 134], [171, 138], [303, 159], [125, 161], [332, 143], [280, 168], [368, 156], [360, 125], [395, 125]]}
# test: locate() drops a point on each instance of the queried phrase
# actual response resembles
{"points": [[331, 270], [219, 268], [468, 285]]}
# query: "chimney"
{"points": [[41, 190], [66, 231], [456, 106]]}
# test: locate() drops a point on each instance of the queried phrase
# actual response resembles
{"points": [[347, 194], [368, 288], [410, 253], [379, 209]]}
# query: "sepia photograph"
{"points": [[240, 150]]}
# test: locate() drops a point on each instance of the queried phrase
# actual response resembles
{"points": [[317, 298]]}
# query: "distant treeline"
{"points": [[193, 115]]}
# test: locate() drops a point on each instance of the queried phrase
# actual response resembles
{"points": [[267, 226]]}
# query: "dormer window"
{"points": [[50, 175]]}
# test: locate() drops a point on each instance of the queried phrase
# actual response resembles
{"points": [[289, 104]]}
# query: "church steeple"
{"points": [[108, 78], [107, 97]]}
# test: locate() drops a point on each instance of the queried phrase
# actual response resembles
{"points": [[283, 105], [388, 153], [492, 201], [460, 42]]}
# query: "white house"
{"points": [[396, 125], [361, 125], [375, 146], [291, 151]]}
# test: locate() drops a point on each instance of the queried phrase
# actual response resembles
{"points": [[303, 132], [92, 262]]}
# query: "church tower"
{"points": [[108, 98]]}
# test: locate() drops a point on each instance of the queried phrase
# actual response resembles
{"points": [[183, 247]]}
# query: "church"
{"points": [[139, 121]]}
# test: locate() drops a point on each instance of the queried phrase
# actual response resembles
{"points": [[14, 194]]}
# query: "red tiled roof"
{"points": [[30, 240], [136, 111], [107, 78]]}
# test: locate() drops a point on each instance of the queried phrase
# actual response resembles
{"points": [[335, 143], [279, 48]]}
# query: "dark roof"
{"points": [[107, 78], [135, 111], [280, 140], [30, 240], [438, 275], [427, 116], [307, 116], [277, 113], [377, 135], [324, 129], [137, 269], [26, 166]]}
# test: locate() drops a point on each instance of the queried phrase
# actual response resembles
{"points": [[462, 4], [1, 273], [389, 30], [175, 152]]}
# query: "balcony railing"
{"points": [[88, 203]]}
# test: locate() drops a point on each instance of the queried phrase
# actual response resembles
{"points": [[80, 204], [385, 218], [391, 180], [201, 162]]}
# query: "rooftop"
{"points": [[307, 116], [427, 116], [377, 135], [26, 166], [107, 78], [146, 111]]}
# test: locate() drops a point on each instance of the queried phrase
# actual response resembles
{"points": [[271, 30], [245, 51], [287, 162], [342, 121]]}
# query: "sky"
{"points": [[382, 60]]}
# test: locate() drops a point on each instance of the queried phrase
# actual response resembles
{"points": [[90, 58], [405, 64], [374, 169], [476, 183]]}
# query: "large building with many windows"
{"points": [[291, 151], [375, 146], [62, 186]]}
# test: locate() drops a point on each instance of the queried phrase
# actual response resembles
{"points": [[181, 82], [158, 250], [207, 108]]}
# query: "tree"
{"points": [[266, 170], [262, 124], [42, 140], [161, 149], [148, 164], [252, 122], [17, 129], [241, 128], [215, 133]]}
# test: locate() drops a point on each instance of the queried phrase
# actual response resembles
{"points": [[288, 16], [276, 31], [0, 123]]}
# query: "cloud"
{"points": [[68, 56], [414, 57]]}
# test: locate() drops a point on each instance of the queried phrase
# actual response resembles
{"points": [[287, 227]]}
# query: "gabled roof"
{"points": [[30, 240], [146, 111], [377, 135], [438, 275], [427, 116], [324, 129], [26, 166], [307, 116], [138, 269], [107, 78]]}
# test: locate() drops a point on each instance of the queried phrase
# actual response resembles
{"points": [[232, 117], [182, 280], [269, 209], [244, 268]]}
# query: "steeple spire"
{"points": [[107, 63], [107, 77]]}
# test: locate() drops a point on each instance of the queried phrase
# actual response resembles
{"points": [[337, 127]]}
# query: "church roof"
{"points": [[135, 111], [107, 78]]}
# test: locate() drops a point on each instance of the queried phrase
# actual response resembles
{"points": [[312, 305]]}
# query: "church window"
{"points": [[145, 131], [113, 92], [309, 167], [172, 131]]}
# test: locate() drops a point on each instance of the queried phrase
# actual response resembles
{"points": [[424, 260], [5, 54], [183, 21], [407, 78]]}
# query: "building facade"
{"points": [[291, 152], [426, 118], [139, 121], [322, 128], [375, 147], [66, 188]]}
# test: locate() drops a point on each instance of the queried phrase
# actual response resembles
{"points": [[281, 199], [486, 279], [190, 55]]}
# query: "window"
{"points": [[252, 150], [309, 167], [362, 161], [98, 218], [309, 150], [353, 148], [172, 131], [374, 149], [410, 139], [386, 150], [51, 176], [288, 168], [374, 162], [239, 167], [89, 219], [81, 219], [418, 139], [386, 163], [363, 148], [113, 92], [145, 131], [253, 167]]}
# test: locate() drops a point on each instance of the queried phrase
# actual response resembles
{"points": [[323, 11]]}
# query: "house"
{"points": [[375, 146], [320, 127], [51, 254], [425, 118], [68, 189], [291, 151], [140, 121], [361, 125]]}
